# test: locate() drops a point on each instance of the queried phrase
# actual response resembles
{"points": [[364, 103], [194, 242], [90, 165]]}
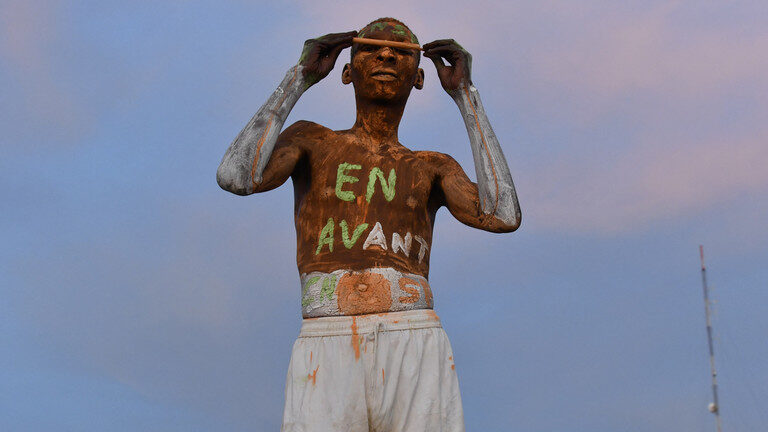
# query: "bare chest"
{"points": [[354, 182], [355, 209]]}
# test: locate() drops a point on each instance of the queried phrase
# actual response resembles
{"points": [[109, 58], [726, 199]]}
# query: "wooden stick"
{"points": [[387, 43]]}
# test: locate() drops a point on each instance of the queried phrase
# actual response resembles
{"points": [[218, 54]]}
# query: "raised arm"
{"points": [[495, 190], [242, 168]]}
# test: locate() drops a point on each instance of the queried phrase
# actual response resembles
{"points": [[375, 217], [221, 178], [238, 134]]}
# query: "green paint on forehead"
{"points": [[379, 26], [389, 26]]}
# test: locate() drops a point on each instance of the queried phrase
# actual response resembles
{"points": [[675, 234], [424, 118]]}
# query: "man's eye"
{"points": [[367, 48], [404, 52]]}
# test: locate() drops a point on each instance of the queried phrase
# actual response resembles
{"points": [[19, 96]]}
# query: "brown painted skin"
{"points": [[361, 293], [310, 154]]}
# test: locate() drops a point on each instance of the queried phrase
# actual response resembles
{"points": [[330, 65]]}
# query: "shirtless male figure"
{"points": [[371, 354]]}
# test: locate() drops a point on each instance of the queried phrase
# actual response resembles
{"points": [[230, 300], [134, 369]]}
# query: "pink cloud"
{"points": [[660, 52], [685, 152], [29, 38], [660, 179]]}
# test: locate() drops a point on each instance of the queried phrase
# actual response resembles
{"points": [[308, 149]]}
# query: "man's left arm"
{"points": [[495, 190]]}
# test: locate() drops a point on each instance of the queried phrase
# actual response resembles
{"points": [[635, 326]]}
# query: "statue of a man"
{"points": [[371, 354]]}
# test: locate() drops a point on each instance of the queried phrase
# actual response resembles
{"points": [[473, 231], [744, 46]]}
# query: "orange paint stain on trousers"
{"points": [[355, 338], [313, 375]]}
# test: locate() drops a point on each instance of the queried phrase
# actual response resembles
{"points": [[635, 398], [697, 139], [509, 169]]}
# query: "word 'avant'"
{"points": [[375, 238]]}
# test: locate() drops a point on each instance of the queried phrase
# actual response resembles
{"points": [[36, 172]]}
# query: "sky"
{"points": [[139, 296]]}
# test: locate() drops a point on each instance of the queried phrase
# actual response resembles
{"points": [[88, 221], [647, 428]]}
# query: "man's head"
{"points": [[389, 25], [384, 73]]}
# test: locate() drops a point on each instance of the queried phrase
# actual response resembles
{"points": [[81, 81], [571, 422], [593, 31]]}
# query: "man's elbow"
{"points": [[508, 225], [232, 182], [508, 228]]}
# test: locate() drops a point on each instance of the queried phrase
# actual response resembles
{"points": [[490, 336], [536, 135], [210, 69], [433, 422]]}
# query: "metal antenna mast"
{"points": [[714, 408]]}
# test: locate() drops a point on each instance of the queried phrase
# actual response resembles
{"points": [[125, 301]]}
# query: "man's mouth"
{"points": [[384, 75]]}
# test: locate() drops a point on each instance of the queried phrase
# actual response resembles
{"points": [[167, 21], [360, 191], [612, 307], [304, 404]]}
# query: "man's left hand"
{"points": [[459, 71]]}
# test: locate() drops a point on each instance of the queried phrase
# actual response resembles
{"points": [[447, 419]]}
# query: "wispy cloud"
{"points": [[30, 45], [656, 50], [656, 181], [692, 137]]}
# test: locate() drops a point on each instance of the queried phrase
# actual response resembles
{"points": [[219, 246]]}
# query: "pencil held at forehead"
{"points": [[387, 43]]}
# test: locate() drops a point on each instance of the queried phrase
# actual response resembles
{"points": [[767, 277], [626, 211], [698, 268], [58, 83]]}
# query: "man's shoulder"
{"points": [[304, 130], [435, 158]]}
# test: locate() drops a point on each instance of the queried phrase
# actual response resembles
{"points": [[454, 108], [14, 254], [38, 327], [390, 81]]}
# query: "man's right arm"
{"points": [[243, 166]]}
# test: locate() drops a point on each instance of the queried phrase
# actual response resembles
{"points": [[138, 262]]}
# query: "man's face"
{"points": [[384, 73]]}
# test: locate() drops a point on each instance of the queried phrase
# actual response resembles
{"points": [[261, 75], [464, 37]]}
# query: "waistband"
{"points": [[361, 324], [373, 290]]}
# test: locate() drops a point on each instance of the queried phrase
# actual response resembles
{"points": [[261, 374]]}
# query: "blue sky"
{"points": [[137, 295]]}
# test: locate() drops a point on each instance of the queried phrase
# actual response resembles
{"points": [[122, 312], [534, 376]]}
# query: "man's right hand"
{"points": [[320, 54]]}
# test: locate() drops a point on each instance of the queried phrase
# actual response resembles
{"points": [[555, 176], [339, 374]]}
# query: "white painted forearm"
{"points": [[242, 166], [494, 181]]}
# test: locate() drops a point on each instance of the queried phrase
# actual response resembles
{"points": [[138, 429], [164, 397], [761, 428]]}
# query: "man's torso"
{"points": [[364, 224]]}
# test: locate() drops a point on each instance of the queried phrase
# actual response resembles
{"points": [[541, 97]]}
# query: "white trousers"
{"points": [[390, 372]]}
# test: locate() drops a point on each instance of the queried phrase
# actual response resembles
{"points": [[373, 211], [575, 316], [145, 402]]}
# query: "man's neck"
{"points": [[377, 123]]}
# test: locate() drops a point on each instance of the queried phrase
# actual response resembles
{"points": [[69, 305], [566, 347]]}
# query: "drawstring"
{"points": [[376, 337], [374, 349]]}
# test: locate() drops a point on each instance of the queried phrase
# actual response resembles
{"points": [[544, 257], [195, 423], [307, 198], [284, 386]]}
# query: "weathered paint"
{"points": [[305, 299], [390, 25], [408, 285], [427, 292], [363, 293], [387, 185], [398, 244], [329, 288], [243, 164], [313, 375], [423, 247], [331, 294], [376, 238], [494, 180], [355, 340], [342, 177], [325, 237], [350, 241]]}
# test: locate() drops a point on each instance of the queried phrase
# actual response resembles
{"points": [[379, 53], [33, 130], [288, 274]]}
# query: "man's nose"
{"points": [[386, 54]]}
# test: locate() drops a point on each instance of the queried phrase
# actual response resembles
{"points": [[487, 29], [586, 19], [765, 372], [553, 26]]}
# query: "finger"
{"points": [[439, 42], [437, 60], [449, 53], [334, 38], [333, 50], [334, 54], [345, 38], [445, 52], [445, 48]]}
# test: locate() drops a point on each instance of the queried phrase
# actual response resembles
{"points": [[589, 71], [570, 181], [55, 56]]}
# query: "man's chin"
{"points": [[388, 98], [384, 94]]}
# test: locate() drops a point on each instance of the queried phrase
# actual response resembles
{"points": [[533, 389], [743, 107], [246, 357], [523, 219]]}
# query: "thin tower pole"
{"points": [[714, 408]]}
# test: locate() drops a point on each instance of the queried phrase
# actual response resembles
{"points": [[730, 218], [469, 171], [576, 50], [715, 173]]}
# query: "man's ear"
{"points": [[419, 82], [346, 74]]}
